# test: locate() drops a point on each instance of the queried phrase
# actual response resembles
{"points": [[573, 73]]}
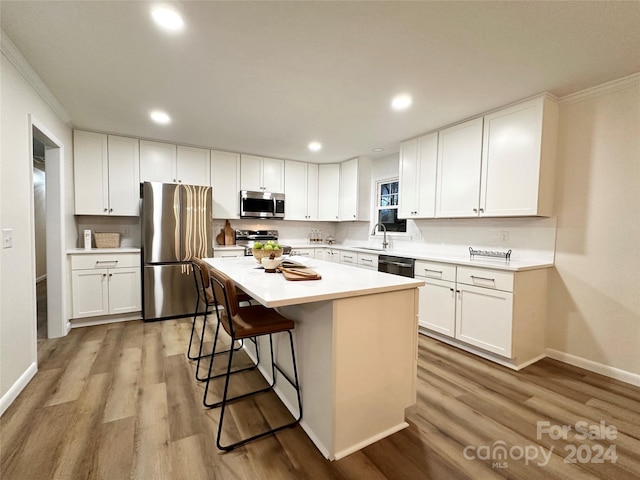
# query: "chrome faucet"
{"points": [[385, 244]]}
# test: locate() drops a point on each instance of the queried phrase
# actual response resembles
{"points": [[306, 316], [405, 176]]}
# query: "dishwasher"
{"points": [[402, 266]]}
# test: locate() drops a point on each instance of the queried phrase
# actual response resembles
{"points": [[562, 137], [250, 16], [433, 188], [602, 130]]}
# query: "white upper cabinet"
{"points": [[261, 174], [518, 160], [417, 177], [169, 163], [500, 165], [193, 166], [301, 190], [329, 192], [106, 169], [225, 180], [157, 162], [355, 189], [458, 170]]}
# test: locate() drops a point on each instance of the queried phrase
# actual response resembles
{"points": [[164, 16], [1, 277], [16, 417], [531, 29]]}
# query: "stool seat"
{"points": [[256, 320]]}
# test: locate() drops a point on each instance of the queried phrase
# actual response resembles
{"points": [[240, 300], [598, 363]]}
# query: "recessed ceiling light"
{"points": [[401, 102], [315, 146], [378, 149], [168, 19], [160, 117]]}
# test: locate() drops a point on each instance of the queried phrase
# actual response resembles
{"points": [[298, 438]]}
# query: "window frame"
{"points": [[376, 183]]}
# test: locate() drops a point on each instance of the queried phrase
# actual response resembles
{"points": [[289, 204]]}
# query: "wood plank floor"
{"points": [[119, 401]]}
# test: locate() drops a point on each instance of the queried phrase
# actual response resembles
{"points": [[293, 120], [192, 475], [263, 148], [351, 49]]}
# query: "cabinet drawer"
{"points": [[349, 257], [104, 260], [368, 260], [481, 277], [440, 271]]}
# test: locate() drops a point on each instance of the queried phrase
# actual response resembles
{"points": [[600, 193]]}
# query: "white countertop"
{"points": [[82, 251], [338, 281], [464, 259]]}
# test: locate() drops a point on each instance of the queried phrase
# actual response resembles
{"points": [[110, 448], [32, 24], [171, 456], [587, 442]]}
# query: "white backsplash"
{"points": [[528, 238], [128, 227], [289, 232]]}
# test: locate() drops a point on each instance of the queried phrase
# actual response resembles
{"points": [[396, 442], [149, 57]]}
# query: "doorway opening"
{"points": [[51, 228], [40, 232]]}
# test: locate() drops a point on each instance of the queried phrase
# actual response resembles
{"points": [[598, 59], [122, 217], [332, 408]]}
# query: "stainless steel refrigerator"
{"points": [[176, 226]]}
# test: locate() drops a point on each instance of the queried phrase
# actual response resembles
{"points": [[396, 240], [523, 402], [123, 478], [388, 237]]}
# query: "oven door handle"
{"points": [[398, 264]]}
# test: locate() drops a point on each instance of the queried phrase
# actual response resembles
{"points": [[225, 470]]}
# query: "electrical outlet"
{"points": [[125, 232], [504, 237], [7, 238]]}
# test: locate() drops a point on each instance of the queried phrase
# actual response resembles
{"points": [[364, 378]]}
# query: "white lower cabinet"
{"points": [[494, 313], [105, 284], [437, 306], [347, 257], [328, 254], [367, 260]]}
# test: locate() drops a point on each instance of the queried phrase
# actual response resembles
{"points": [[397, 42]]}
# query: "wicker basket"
{"points": [[107, 240], [260, 253]]}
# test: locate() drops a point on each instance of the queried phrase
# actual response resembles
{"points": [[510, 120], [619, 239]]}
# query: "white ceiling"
{"points": [[269, 77]]}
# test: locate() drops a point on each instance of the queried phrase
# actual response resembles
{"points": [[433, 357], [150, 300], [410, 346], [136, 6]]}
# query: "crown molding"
{"points": [[18, 60], [603, 89]]}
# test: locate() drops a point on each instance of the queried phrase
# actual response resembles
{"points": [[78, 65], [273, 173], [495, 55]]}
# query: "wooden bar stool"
{"points": [[246, 322], [202, 278]]}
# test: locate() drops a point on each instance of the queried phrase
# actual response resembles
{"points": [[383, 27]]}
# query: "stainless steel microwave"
{"points": [[261, 204]]}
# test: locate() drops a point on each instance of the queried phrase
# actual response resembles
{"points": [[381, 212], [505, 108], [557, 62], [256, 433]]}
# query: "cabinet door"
{"points": [[320, 253], [91, 173], [90, 295], [484, 318], [193, 166], [407, 179], [295, 190], [124, 290], [458, 171], [511, 160], [437, 307], [273, 175], [225, 180], [426, 176], [124, 179], [349, 190], [250, 173], [329, 192], [157, 162], [312, 191]]}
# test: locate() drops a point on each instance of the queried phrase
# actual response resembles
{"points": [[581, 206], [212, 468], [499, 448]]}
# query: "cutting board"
{"points": [[220, 237], [229, 234], [309, 274]]}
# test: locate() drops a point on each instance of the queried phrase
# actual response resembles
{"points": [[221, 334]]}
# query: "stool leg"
{"points": [[225, 400], [193, 327]]}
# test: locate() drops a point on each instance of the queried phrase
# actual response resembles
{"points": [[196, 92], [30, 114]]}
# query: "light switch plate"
{"points": [[7, 238]]}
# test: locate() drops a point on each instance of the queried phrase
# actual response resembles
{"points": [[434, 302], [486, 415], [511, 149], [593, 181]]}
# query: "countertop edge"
{"points": [[82, 251]]}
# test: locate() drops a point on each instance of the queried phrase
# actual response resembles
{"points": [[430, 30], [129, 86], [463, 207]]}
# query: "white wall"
{"points": [[19, 104], [594, 291], [40, 223]]}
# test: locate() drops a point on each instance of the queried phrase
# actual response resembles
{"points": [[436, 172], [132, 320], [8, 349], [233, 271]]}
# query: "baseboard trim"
{"points": [[8, 398], [606, 370]]}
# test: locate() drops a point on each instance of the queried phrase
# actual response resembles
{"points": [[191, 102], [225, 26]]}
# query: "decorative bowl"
{"points": [[261, 253], [270, 264]]}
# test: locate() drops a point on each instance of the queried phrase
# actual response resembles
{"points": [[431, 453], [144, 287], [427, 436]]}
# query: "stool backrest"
{"points": [[201, 275], [224, 292]]}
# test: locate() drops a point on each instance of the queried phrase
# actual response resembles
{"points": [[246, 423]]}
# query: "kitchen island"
{"points": [[356, 340]]}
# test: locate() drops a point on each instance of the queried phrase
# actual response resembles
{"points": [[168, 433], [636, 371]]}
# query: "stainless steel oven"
{"points": [[261, 204], [402, 266], [246, 239]]}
